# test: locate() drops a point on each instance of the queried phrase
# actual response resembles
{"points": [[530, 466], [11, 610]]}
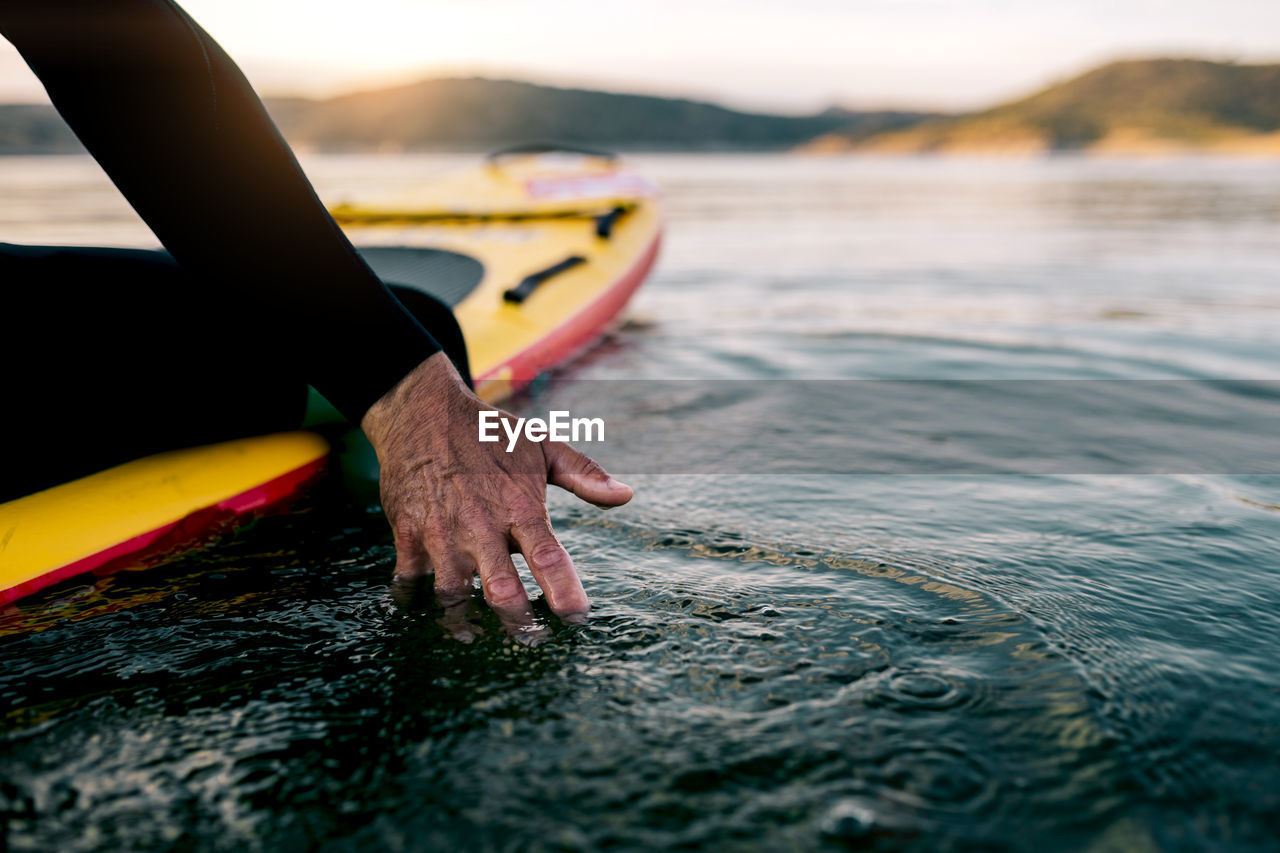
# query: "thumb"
{"points": [[577, 473]]}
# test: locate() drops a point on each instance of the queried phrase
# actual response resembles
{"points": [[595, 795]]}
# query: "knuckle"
{"points": [[504, 589], [520, 518], [404, 531], [592, 468], [451, 589], [438, 532], [548, 556]]}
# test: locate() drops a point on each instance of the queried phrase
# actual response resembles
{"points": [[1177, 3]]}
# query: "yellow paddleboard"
{"points": [[520, 217], [149, 504]]}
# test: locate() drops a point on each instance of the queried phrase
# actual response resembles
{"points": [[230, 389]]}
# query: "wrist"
{"points": [[431, 387]]}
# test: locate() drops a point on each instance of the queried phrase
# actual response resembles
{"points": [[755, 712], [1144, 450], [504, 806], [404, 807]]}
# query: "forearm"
{"points": [[177, 127]]}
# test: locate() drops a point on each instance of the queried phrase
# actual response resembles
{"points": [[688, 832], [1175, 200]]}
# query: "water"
{"points": [[1069, 660]]}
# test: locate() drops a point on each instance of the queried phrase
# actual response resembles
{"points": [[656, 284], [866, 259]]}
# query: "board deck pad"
{"points": [[448, 276]]}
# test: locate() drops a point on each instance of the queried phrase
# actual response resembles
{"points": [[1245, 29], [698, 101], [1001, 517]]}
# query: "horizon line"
{"points": [[412, 78]]}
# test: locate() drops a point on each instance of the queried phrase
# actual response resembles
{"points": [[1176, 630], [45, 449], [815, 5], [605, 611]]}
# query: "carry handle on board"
{"points": [[604, 222], [528, 149], [533, 281]]}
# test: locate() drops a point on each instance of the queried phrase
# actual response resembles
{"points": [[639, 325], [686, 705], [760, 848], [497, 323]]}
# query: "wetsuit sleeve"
{"points": [[178, 128]]}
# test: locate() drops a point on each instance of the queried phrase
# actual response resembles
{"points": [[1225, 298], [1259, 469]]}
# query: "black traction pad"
{"points": [[448, 276]]}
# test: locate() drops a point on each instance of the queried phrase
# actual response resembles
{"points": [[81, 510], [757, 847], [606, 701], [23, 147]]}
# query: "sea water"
{"points": [[944, 653]]}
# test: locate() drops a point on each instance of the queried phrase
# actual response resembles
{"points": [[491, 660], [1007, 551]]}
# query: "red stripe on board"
{"points": [[580, 329], [190, 526]]}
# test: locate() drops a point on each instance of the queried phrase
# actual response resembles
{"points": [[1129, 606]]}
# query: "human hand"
{"points": [[458, 506]]}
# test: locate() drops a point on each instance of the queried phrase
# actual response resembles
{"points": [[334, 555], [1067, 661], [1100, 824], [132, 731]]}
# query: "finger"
{"points": [[503, 589], [506, 596], [577, 473], [412, 561], [405, 592], [552, 567], [454, 572], [458, 618]]}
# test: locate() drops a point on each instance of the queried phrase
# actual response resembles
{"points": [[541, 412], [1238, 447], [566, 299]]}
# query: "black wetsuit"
{"points": [[111, 354]]}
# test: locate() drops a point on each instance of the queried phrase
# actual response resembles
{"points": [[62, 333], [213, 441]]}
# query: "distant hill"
{"points": [[475, 113], [1131, 107]]}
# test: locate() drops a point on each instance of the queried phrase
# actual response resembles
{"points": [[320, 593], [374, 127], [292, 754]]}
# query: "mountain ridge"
{"points": [[478, 113], [1135, 106]]}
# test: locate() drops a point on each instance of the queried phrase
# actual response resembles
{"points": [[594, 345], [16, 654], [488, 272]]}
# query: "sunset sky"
{"points": [[797, 55]]}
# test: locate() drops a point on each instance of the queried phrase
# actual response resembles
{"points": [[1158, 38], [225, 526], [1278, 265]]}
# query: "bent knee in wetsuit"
{"points": [[117, 354]]}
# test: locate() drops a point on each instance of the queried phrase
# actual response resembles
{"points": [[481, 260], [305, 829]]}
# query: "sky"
{"points": [[783, 55]]}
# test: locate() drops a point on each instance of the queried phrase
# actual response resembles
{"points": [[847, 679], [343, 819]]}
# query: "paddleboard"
{"points": [[562, 239], [537, 250]]}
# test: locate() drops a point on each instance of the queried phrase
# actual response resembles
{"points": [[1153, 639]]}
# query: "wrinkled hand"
{"points": [[458, 506]]}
